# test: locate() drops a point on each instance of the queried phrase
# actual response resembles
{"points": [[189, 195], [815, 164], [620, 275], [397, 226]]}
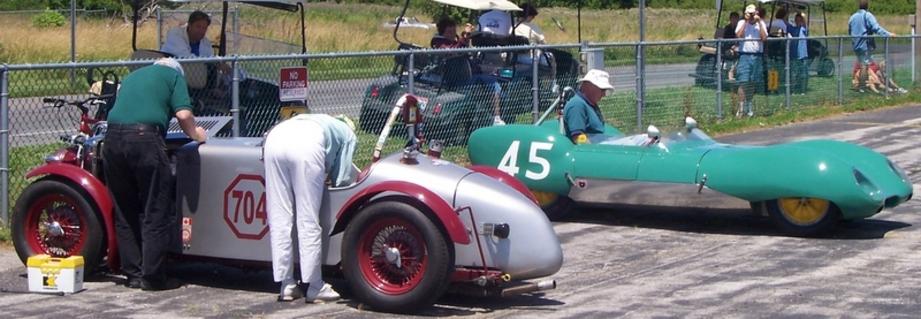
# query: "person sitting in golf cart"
{"points": [[447, 39], [190, 41]]}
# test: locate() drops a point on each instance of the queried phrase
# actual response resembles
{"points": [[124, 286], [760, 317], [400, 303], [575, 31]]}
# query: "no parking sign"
{"points": [[292, 84]]}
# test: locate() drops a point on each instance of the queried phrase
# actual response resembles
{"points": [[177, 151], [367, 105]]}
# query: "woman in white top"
{"points": [[526, 28]]}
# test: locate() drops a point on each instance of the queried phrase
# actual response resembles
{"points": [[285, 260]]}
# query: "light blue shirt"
{"points": [[340, 144], [863, 23], [800, 47]]}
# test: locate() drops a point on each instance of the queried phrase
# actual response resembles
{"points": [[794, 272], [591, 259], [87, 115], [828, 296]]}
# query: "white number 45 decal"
{"points": [[509, 162]]}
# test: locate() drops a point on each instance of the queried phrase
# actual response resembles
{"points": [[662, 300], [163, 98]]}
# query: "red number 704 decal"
{"points": [[250, 209]]}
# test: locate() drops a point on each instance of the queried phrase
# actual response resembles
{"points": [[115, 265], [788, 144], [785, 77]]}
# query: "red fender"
{"points": [[445, 213], [99, 194], [505, 178]]}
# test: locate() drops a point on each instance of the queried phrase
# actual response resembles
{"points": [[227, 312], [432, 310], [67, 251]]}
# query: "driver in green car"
{"points": [[582, 118]]}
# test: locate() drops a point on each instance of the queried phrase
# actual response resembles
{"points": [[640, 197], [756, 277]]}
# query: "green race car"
{"points": [[805, 187]]}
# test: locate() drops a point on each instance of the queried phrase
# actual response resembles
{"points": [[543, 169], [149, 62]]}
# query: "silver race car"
{"points": [[410, 226]]}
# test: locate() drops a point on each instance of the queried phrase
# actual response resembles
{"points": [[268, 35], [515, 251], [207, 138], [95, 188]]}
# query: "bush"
{"points": [[49, 19]]}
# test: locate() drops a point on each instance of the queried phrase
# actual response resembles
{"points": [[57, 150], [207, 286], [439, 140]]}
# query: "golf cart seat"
{"points": [[401, 62], [196, 74]]}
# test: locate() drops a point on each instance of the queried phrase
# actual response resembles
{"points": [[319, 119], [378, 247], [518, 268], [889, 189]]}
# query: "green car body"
{"points": [[688, 169]]}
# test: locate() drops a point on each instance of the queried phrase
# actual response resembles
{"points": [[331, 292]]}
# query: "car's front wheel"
{"points": [[395, 258], [556, 206], [803, 216], [56, 219]]}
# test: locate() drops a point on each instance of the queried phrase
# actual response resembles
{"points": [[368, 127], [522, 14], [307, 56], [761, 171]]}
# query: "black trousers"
{"points": [[138, 175]]}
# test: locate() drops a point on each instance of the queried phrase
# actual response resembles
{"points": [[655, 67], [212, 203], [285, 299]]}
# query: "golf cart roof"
{"points": [[287, 5], [799, 2], [481, 5]]}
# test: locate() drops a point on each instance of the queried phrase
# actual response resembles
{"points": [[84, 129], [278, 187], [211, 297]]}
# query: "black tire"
{"points": [[556, 207], [54, 201], [825, 68], [419, 282], [815, 225]]}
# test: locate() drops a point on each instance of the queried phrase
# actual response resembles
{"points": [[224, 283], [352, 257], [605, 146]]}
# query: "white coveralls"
{"points": [[299, 153]]}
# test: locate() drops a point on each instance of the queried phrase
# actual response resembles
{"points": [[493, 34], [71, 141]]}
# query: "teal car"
{"points": [[805, 187]]}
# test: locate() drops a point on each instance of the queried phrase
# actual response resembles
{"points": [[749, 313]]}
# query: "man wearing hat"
{"points": [[137, 169], [582, 118], [749, 70], [302, 155]]}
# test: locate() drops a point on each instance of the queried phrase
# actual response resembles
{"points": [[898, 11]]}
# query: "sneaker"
{"points": [[160, 285], [290, 292], [133, 282], [750, 114], [902, 91], [497, 120], [326, 294]]}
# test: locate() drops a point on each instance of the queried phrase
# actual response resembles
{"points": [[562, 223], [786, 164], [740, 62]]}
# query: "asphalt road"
{"points": [[618, 262]]}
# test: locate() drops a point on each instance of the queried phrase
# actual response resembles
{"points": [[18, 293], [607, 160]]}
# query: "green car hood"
{"points": [[817, 168]]}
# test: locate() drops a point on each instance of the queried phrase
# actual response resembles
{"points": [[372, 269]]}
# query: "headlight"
{"points": [[864, 183], [901, 172]]}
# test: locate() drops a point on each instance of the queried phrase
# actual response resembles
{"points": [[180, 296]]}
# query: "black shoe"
{"points": [[133, 282], [159, 285]]}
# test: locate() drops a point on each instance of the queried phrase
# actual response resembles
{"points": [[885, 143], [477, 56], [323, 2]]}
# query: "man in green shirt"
{"points": [[582, 118], [137, 169]]}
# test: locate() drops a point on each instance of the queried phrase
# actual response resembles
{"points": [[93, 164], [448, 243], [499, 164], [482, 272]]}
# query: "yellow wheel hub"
{"points": [[544, 198], [803, 210]]}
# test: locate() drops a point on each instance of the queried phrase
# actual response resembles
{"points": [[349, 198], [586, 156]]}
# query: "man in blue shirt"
{"points": [[799, 49], [582, 118], [191, 40], [861, 24]]}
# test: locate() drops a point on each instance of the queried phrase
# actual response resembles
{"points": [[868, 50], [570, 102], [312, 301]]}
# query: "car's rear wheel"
{"points": [[395, 258], [803, 216], [55, 219], [556, 206]]}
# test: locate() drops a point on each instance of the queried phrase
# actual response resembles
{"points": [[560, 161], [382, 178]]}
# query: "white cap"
{"points": [[599, 78], [170, 63], [751, 9]]}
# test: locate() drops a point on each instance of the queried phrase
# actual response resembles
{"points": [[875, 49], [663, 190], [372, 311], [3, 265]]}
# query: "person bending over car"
{"points": [[302, 154], [582, 117], [137, 168]]}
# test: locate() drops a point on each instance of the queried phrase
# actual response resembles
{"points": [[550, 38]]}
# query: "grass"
{"points": [[359, 27]]}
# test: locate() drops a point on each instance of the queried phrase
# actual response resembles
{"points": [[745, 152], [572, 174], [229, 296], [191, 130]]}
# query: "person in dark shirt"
{"points": [[447, 35]]}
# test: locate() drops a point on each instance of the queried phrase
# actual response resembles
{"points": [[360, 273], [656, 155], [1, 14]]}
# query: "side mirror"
{"points": [[690, 123]]}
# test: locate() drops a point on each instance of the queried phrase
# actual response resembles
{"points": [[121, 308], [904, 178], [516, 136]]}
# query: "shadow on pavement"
{"points": [[461, 305], [726, 222]]}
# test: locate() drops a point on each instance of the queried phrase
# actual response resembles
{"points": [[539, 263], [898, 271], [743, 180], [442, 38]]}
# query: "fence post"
{"points": [[640, 82], [888, 74], [839, 73], [4, 144], [719, 78], [159, 26], [235, 98], [411, 73], [786, 67], [535, 84]]}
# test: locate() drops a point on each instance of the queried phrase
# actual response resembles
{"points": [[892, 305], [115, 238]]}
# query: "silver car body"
{"points": [[222, 220]]}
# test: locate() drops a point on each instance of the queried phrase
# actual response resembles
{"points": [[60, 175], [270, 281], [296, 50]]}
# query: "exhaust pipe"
{"points": [[528, 287]]}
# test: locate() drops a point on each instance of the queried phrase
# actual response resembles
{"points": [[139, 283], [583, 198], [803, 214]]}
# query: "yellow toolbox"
{"points": [[55, 275]]}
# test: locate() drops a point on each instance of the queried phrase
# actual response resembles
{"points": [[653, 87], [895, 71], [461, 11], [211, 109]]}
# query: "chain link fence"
{"points": [[461, 89]]}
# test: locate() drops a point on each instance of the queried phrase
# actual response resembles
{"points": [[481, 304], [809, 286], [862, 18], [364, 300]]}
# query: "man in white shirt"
{"points": [[496, 22], [527, 28], [190, 41], [749, 71]]}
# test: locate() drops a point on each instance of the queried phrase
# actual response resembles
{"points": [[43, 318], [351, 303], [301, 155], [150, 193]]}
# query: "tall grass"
{"points": [[360, 27]]}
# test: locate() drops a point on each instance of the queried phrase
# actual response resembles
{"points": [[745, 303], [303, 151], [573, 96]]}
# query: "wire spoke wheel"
{"points": [[393, 256]]}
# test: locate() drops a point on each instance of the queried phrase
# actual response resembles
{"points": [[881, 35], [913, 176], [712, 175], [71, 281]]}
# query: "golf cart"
{"points": [[210, 90], [820, 63], [453, 105]]}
